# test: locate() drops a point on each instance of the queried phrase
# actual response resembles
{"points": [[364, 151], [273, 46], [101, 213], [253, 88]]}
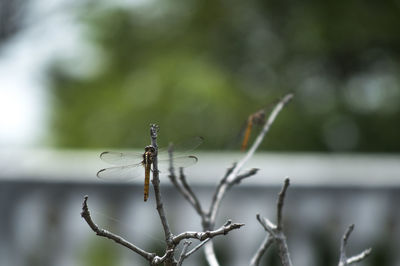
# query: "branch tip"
{"points": [[343, 260], [281, 199], [348, 232]]}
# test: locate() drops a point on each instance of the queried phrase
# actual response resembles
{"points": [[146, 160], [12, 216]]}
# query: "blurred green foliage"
{"points": [[201, 67], [100, 253]]}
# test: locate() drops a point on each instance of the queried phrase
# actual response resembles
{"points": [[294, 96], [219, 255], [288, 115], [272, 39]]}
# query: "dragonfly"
{"points": [[129, 165], [255, 119]]}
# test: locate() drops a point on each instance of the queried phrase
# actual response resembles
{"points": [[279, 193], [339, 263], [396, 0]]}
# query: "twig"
{"points": [[276, 231], [202, 236], [158, 260], [267, 224], [239, 178], [193, 250], [268, 241], [222, 183], [186, 245], [174, 181], [179, 187], [196, 203], [183, 188], [223, 230], [343, 257], [197, 247], [359, 257], [169, 255], [156, 185], [104, 233], [228, 172], [281, 199]]}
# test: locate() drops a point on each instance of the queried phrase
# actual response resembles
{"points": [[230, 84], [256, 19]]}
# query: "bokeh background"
{"points": [[77, 77]]}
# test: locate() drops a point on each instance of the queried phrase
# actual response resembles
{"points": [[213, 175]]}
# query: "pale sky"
{"points": [[23, 95]]}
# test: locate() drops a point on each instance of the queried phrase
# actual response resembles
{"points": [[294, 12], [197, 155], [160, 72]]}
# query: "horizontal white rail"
{"points": [[305, 169]]}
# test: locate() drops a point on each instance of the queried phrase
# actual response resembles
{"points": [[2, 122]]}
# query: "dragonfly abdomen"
{"points": [[147, 161]]}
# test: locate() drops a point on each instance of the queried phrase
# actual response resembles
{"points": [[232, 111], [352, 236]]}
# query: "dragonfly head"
{"points": [[259, 117], [150, 148]]}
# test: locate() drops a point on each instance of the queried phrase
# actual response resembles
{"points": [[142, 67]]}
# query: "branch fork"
{"points": [[275, 232], [223, 230], [343, 261]]}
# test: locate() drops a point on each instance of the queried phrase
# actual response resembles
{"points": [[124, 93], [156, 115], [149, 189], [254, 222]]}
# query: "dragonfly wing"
{"points": [[181, 148], [184, 161], [181, 161], [121, 173], [121, 158]]}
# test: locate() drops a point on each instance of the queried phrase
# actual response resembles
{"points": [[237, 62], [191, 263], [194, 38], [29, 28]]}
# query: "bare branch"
{"points": [[210, 254], [104, 233], [158, 260], [175, 182], [223, 230], [267, 224], [196, 203], [171, 170], [268, 241], [186, 245], [156, 185], [184, 255], [183, 188], [171, 240], [343, 257], [180, 188], [221, 190], [276, 231], [209, 246], [228, 172], [197, 247], [239, 178], [283, 249], [281, 199], [222, 183], [359, 257]]}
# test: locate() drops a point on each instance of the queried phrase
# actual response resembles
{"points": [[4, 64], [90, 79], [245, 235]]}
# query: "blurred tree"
{"points": [[11, 18], [100, 254], [201, 67]]}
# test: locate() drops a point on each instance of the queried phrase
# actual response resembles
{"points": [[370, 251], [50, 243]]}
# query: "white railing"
{"points": [[305, 169]]}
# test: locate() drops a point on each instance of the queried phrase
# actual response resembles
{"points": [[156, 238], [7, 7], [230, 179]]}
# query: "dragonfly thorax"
{"points": [[149, 153]]}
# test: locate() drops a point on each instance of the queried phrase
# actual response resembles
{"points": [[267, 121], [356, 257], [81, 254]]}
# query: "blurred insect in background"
{"points": [[257, 118]]}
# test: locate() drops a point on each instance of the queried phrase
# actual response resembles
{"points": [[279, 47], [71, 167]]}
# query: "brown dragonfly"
{"points": [[129, 165], [254, 119], [257, 118]]}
